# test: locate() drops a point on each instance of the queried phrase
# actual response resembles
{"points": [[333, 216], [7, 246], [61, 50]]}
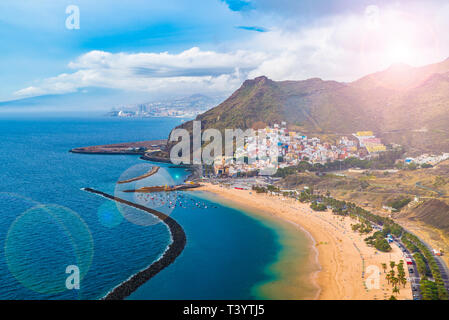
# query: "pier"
{"points": [[175, 248]]}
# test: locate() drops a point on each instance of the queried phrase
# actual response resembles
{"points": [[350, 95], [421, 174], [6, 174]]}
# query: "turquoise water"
{"points": [[48, 223], [226, 255]]}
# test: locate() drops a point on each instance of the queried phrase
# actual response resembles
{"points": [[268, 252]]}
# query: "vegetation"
{"points": [[259, 189], [364, 227], [382, 245], [429, 290], [399, 203], [410, 166], [272, 188], [395, 279], [426, 262], [392, 228], [269, 188], [409, 245], [432, 207], [439, 181], [317, 206], [424, 258], [401, 273], [420, 264], [378, 241], [385, 160]]}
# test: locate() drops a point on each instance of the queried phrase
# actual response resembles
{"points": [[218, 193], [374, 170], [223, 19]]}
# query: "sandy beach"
{"points": [[347, 266]]}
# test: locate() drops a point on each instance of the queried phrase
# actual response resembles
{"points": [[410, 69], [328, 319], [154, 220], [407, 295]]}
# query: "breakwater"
{"points": [[153, 170], [153, 158], [165, 188], [127, 148], [177, 245]]}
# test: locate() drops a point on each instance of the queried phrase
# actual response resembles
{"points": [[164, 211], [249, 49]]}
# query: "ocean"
{"points": [[49, 224]]}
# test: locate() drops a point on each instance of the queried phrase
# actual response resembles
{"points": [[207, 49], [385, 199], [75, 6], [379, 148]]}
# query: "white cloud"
{"points": [[189, 70], [347, 47], [339, 47]]}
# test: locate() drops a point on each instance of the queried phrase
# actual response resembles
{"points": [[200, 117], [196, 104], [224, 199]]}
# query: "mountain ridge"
{"points": [[413, 113]]}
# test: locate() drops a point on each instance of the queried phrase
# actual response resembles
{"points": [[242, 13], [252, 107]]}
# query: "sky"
{"points": [[149, 49]]}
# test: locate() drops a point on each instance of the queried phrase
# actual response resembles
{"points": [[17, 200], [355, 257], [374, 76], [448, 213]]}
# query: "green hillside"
{"points": [[402, 104]]}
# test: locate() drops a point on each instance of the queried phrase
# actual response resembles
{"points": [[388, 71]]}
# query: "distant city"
{"points": [[188, 107]]}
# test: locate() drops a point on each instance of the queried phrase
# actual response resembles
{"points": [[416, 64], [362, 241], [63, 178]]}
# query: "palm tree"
{"points": [[403, 281], [384, 266], [388, 277], [392, 264], [394, 281], [392, 273], [396, 290]]}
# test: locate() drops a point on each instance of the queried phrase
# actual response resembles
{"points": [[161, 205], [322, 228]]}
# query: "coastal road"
{"points": [[414, 277], [419, 185], [441, 265], [444, 271]]}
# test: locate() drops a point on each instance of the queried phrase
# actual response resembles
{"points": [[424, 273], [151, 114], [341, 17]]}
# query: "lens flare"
{"points": [[164, 202], [108, 215], [42, 242]]}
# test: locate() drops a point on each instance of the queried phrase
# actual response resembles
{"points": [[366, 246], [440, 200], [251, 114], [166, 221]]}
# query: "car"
{"points": [[414, 289], [410, 270]]}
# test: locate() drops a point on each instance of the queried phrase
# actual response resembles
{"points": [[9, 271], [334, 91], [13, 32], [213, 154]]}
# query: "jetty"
{"points": [[175, 248], [126, 148], [153, 189], [153, 170]]}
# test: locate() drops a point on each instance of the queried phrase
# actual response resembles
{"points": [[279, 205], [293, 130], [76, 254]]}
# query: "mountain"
{"points": [[401, 76], [403, 104], [88, 99]]}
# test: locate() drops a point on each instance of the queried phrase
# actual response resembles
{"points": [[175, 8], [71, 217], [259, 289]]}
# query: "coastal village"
{"points": [[277, 147]]}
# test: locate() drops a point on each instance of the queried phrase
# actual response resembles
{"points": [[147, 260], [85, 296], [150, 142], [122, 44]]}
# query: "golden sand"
{"points": [[347, 266]]}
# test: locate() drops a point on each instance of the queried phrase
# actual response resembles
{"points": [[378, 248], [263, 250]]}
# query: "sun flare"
{"points": [[400, 54]]}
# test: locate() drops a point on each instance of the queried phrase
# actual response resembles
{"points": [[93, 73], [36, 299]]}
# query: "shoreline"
{"points": [[173, 250], [342, 255], [287, 283], [312, 263], [314, 275]]}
